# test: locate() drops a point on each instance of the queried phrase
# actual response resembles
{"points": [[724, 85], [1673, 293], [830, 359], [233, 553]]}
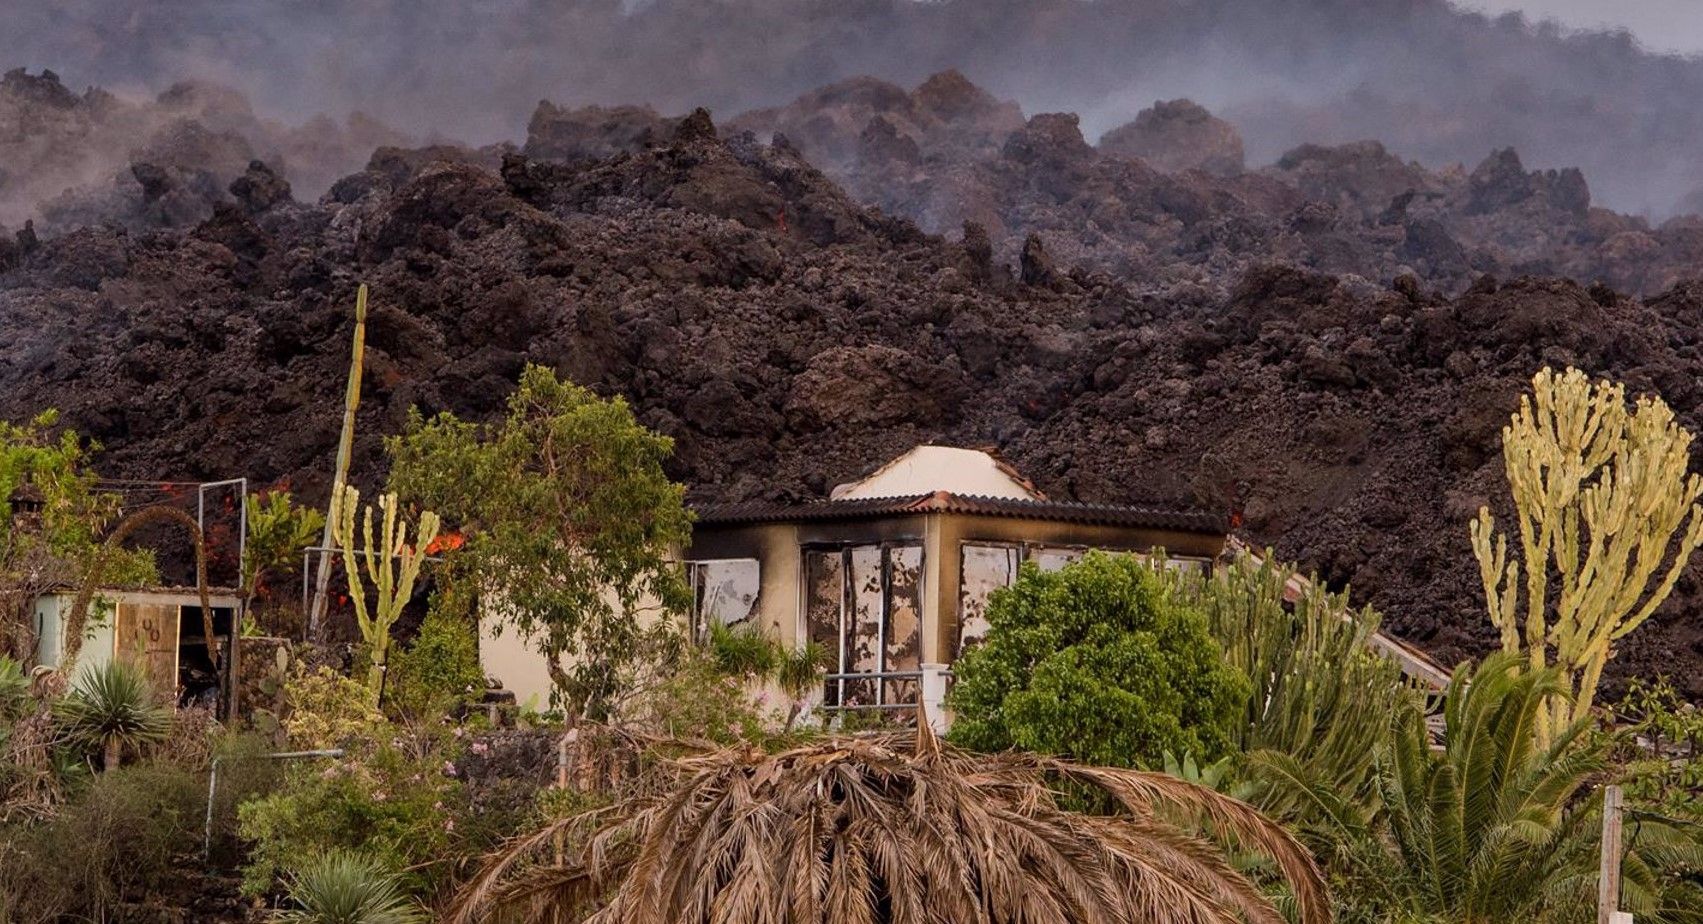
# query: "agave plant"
{"points": [[878, 831], [347, 888], [111, 708]]}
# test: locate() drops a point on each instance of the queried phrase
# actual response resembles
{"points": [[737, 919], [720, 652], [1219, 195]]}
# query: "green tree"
{"points": [[1100, 662], [56, 540], [569, 524], [278, 530], [441, 666]]}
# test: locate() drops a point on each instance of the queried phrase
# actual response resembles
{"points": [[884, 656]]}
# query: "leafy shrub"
{"points": [[111, 709], [347, 888], [395, 796], [116, 842], [441, 668], [327, 709], [1669, 773], [698, 701], [1098, 662]]}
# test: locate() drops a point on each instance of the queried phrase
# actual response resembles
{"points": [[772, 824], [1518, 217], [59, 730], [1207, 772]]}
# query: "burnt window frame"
{"points": [[840, 674]]}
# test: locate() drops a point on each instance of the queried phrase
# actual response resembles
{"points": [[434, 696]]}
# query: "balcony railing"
{"points": [[929, 685]]}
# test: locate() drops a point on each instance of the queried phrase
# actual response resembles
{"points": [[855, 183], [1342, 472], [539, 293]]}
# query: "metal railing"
{"points": [[879, 680]]}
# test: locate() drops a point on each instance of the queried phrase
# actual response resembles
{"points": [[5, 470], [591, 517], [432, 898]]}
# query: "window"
{"points": [[723, 591], [864, 604], [987, 567]]}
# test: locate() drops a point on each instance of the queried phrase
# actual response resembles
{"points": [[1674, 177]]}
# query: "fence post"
{"points": [[1608, 883]]}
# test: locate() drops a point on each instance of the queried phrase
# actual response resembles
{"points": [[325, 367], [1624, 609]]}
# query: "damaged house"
{"points": [[890, 573]]}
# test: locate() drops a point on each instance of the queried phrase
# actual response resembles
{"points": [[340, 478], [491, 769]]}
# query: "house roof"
{"points": [[926, 469], [976, 505]]}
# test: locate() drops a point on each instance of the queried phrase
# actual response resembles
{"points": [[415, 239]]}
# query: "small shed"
{"points": [[159, 628]]}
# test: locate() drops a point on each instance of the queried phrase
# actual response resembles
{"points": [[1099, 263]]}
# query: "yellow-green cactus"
{"points": [[1600, 493], [392, 565]]}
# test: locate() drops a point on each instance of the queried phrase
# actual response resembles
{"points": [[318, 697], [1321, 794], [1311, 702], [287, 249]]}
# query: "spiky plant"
{"points": [[743, 651], [1320, 693], [347, 888], [800, 671], [112, 709], [14, 690], [1495, 827], [878, 831]]}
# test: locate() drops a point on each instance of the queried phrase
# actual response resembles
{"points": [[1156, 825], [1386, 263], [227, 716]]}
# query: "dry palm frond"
{"points": [[882, 831]]}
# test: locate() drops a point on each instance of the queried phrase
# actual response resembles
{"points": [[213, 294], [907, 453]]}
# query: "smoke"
{"points": [[1432, 82]]}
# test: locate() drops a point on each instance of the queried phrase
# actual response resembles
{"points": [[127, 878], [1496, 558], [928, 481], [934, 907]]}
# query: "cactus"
{"points": [[1605, 507], [392, 564]]}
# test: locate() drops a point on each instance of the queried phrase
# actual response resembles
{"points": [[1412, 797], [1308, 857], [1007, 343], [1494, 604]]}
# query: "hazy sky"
{"points": [[1661, 25]]}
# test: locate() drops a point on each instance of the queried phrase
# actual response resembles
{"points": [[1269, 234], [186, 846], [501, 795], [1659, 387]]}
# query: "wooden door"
{"points": [[145, 634]]}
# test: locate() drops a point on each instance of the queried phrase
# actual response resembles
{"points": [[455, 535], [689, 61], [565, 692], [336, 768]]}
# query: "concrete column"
{"points": [[934, 677]]}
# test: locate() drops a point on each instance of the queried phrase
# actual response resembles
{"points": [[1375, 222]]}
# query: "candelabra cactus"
{"points": [[392, 564], [1600, 494]]}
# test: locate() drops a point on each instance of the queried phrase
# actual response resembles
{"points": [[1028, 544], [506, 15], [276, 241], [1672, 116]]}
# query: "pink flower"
{"points": [[449, 825], [449, 768], [481, 748]]}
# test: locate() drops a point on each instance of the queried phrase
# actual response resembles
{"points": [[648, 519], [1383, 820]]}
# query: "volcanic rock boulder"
{"points": [[1175, 136], [873, 386], [592, 132]]}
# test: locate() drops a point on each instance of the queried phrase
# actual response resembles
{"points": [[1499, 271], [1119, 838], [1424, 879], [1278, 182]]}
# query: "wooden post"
{"points": [[345, 444], [1608, 883]]}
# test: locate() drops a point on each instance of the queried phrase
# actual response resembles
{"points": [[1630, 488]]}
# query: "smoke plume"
{"points": [[1430, 81]]}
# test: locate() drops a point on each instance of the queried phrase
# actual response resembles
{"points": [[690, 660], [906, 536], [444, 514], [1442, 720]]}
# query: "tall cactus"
{"points": [[1600, 494], [392, 565]]}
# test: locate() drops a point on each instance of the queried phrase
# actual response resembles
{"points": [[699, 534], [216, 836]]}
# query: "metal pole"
{"points": [[213, 787], [1608, 882]]}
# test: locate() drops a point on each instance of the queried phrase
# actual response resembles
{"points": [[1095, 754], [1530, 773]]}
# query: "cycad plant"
{"points": [[111, 708], [890, 831], [347, 888], [1494, 827], [1484, 828]]}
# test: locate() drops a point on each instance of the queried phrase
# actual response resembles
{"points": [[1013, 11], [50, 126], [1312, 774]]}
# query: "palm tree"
{"points": [[112, 708], [347, 888], [1490, 829], [875, 831]]}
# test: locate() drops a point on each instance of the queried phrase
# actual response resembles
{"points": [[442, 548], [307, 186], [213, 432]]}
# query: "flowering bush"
{"points": [[328, 710], [397, 798]]}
